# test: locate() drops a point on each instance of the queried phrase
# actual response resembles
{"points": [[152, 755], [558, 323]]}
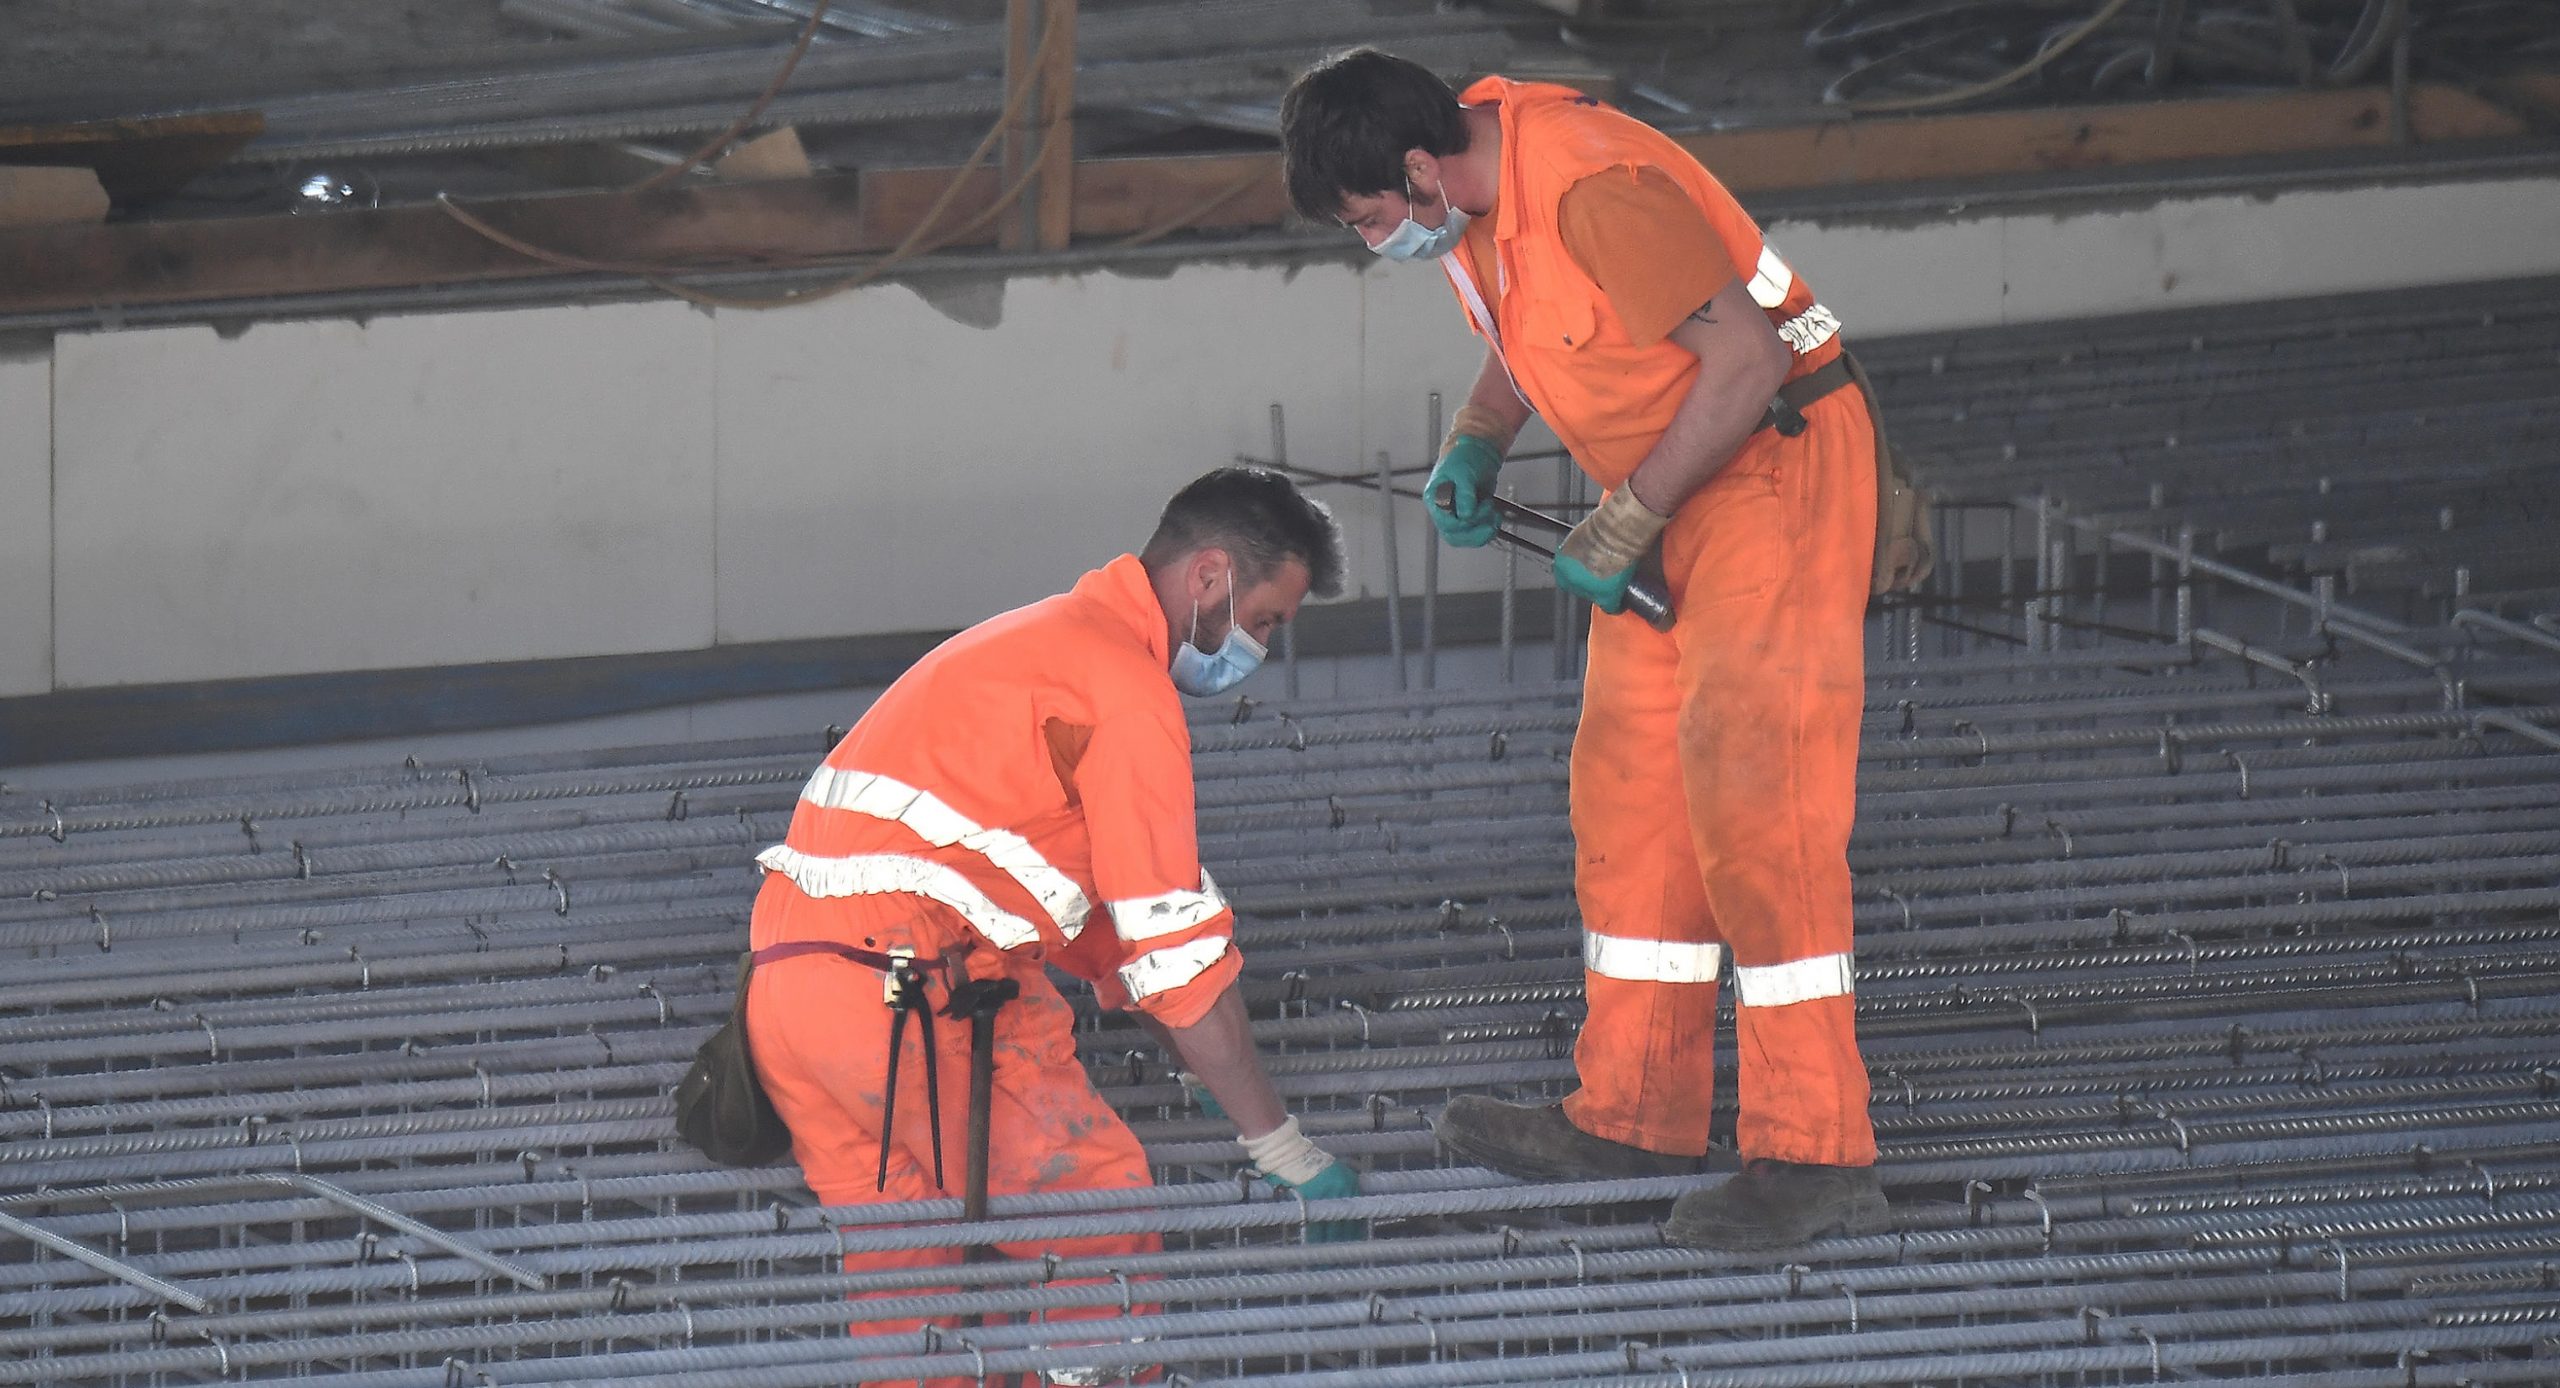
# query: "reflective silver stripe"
{"points": [[1146, 917], [1650, 961], [1773, 282], [886, 874], [1809, 329], [1798, 980], [1172, 966], [883, 797]]}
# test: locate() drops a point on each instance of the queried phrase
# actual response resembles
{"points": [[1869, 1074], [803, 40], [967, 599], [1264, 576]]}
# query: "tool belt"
{"points": [[721, 1108], [1904, 553]]}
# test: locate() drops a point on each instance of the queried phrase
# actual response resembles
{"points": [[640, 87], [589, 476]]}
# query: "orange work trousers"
{"points": [[1714, 780], [818, 1026]]}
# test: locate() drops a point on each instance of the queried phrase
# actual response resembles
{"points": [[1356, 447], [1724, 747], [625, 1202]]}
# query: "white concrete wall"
{"points": [[577, 481], [438, 489], [26, 523]]}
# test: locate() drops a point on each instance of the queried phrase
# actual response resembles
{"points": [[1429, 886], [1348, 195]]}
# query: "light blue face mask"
{"points": [[1411, 240], [1201, 674]]}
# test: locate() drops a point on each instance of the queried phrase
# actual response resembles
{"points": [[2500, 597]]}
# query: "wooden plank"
{"points": [[844, 215], [1994, 143], [136, 160], [49, 197], [69, 268]]}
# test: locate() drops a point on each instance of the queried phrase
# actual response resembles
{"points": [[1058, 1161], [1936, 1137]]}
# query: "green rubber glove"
{"points": [[1467, 467], [1598, 560], [1337, 1181], [1608, 592]]}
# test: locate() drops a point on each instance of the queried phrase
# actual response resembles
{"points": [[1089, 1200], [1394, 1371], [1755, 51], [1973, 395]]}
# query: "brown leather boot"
{"points": [[1773, 1204], [1536, 1142]]}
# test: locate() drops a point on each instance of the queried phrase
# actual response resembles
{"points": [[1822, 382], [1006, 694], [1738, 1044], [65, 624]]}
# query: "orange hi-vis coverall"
{"points": [[1739, 841], [1022, 794]]}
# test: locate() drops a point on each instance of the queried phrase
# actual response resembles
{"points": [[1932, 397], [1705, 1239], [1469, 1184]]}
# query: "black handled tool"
{"points": [[978, 1000], [1645, 596], [903, 989]]}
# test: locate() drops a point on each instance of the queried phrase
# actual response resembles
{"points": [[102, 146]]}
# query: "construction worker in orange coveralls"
{"points": [[1624, 295], [1023, 796]]}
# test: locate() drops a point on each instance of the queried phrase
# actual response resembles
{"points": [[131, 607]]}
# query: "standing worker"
{"points": [[1023, 796], [1625, 296]]}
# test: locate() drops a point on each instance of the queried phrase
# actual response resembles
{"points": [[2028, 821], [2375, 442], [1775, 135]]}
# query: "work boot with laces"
{"points": [[1772, 1204], [1536, 1142]]}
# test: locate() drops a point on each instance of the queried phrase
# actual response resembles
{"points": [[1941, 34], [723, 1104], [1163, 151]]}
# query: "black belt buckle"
{"points": [[1784, 417]]}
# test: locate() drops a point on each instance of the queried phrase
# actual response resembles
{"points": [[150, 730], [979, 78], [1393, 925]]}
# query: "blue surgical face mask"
{"points": [[1201, 674], [1411, 240]]}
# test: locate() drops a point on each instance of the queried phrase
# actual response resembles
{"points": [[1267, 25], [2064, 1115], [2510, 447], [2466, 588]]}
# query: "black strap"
{"points": [[1787, 407], [868, 958]]}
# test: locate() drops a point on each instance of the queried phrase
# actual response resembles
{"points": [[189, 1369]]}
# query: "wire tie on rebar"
{"points": [[366, 1241], [1428, 1329], [2035, 1024], [470, 789], [2236, 1042], [1510, 946], [666, 1011], [1379, 1105], [2036, 1197], [560, 887], [2154, 1342], [2339, 1248], [1498, 746], [2488, 1181], [2471, 991], [364, 967], [106, 935], [2008, 819], [1852, 1293], [687, 1311], [2055, 827], [2546, 1081], [249, 827], [586, 1192], [1510, 1241], [677, 810], [415, 1285], [2241, 765], [212, 1042], [1910, 1092], [454, 1371], [1900, 900], [293, 1140], [159, 1321], [2089, 1318], [486, 1098], [1975, 1202], [530, 1159], [1795, 1278], [2409, 1364], [57, 830], [1357, 1010], [1297, 735], [2172, 748], [1981, 740], [249, 1125], [2346, 885], [1048, 1266], [301, 861], [1334, 813], [2195, 953], [1128, 1301]]}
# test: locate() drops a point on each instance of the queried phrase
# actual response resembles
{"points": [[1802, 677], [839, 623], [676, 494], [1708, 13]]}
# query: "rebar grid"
{"points": [[2209, 985]]}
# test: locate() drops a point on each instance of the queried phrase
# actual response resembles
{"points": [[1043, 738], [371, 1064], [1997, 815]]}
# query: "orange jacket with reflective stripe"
{"points": [[1033, 775], [1607, 397]]}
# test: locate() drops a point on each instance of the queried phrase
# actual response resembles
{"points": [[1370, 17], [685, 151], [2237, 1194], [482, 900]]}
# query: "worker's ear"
{"points": [[1421, 167], [1204, 575]]}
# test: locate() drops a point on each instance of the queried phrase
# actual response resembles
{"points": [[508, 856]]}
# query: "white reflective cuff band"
{"points": [[895, 874], [1171, 913], [1799, 980], [1285, 1155], [1809, 329], [1773, 281], [1171, 967], [1650, 961], [882, 797]]}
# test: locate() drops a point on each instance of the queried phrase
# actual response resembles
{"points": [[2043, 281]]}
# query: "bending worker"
{"points": [[1022, 796], [1623, 294]]}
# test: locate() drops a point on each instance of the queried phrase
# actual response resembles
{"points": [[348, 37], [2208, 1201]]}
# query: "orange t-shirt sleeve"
{"points": [[1646, 245]]}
